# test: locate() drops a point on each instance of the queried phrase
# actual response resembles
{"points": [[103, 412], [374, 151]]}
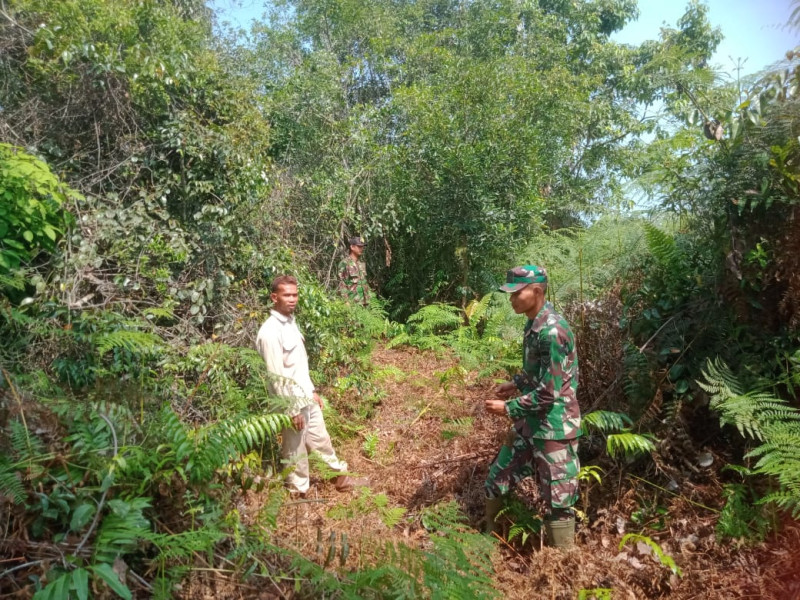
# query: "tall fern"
{"points": [[204, 450], [762, 418]]}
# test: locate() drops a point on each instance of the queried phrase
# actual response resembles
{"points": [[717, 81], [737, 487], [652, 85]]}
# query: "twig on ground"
{"points": [[424, 465]]}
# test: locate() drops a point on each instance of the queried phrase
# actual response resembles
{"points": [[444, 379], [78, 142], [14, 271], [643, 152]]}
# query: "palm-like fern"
{"points": [[200, 452], [619, 439]]}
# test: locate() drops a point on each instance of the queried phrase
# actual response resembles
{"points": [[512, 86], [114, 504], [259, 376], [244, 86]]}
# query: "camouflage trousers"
{"points": [[554, 461]]}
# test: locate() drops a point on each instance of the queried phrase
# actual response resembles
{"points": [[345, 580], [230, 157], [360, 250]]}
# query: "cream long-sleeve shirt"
{"points": [[281, 345]]}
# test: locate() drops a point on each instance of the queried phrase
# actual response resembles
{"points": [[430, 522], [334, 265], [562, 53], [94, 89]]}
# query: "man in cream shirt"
{"points": [[281, 345]]}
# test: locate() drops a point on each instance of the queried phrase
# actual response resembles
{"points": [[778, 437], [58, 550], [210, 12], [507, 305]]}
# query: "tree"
{"points": [[449, 132]]}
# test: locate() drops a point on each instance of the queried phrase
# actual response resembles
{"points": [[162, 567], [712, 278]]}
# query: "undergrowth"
{"points": [[772, 429]]}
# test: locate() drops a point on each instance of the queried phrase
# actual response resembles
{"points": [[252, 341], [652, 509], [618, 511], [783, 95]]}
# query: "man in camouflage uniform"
{"points": [[543, 406], [353, 285]]}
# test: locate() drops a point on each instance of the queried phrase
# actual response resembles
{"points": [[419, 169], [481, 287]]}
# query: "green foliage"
{"points": [[464, 127], [619, 440], [459, 565], [10, 481], [595, 594], [524, 522], [135, 342], [754, 414], [426, 328], [32, 216], [223, 381], [607, 421], [370, 445], [196, 454], [480, 335], [369, 502], [629, 444], [589, 473], [742, 517], [767, 420], [583, 262]]}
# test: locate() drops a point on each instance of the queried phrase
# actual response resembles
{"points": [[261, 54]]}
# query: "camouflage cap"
{"points": [[357, 241], [518, 277]]}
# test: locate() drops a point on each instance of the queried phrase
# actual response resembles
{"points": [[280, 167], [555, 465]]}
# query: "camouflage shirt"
{"points": [[353, 281], [548, 407]]}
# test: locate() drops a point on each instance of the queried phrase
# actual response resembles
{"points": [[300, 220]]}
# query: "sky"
{"points": [[755, 31]]}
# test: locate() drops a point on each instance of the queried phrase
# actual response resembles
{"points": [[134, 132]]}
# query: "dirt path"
{"points": [[430, 441]]}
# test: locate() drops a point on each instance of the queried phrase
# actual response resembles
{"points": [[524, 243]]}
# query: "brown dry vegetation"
{"points": [[416, 467]]}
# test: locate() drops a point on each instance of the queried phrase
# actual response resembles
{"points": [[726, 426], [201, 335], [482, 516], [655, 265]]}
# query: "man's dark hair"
{"points": [[282, 280]]}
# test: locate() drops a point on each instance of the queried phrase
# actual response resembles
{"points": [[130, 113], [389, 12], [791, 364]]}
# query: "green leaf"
{"points": [[80, 583], [13, 244], [107, 574], [28, 235], [81, 516], [61, 586]]}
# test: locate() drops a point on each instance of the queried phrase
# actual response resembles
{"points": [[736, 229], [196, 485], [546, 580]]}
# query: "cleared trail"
{"points": [[430, 441]]}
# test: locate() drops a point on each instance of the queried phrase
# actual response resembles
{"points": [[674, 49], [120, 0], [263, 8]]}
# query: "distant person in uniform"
{"points": [[282, 347], [542, 405], [353, 285]]}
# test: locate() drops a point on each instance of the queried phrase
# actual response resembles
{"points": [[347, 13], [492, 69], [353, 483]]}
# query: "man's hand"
{"points": [[318, 400], [299, 421], [496, 407], [505, 390]]}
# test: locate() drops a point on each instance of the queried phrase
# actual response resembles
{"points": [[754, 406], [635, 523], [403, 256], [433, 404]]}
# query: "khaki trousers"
{"points": [[297, 444]]}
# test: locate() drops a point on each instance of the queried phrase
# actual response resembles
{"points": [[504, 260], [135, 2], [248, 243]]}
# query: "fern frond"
{"points": [[748, 412], [436, 318], [762, 417], [607, 421], [10, 482], [14, 280], [159, 312], [476, 309], [24, 446], [186, 544], [206, 449], [629, 444], [249, 432], [122, 529], [459, 566], [785, 500], [136, 342], [720, 379], [661, 245]]}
